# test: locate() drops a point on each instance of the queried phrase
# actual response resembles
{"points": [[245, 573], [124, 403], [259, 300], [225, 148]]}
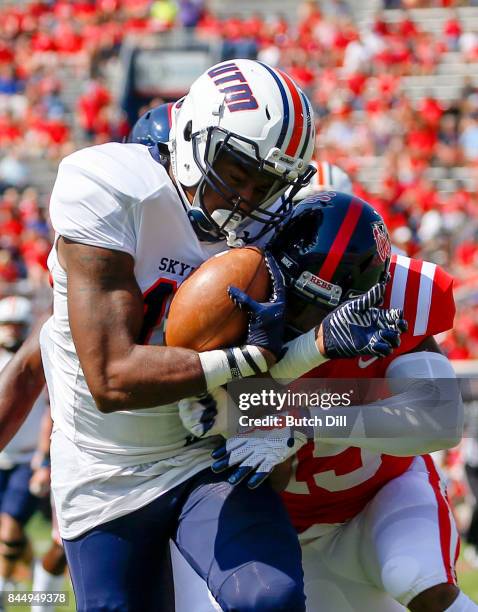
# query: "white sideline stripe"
{"points": [[400, 275], [424, 298]]}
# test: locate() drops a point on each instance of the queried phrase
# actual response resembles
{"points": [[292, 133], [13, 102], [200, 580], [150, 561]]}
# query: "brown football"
{"points": [[202, 316]]}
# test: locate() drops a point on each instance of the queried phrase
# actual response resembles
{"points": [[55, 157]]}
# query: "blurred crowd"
{"points": [[412, 4], [353, 77]]}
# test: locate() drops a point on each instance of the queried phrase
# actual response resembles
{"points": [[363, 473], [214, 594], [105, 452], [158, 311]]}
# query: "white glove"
{"points": [[257, 452]]}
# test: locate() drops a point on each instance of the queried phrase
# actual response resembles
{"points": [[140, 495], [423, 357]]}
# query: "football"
{"points": [[202, 316]]}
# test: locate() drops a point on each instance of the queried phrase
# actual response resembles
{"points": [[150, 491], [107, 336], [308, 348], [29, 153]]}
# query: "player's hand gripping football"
{"points": [[358, 327], [266, 319]]}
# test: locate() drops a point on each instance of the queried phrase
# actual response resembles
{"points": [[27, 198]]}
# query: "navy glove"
{"points": [[198, 414], [211, 414], [266, 319], [357, 327]]}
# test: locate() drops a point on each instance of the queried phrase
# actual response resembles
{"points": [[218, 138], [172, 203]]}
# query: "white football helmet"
{"points": [[327, 178], [257, 115], [15, 318]]}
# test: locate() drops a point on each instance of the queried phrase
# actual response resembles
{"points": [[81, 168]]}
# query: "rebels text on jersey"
{"points": [[332, 483]]}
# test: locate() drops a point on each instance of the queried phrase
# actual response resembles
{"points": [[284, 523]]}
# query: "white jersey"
{"points": [[23, 445], [118, 197]]}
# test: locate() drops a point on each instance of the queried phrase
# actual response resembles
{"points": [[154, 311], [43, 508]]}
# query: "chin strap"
{"points": [[234, 242], [204, 227], [201, 225]]}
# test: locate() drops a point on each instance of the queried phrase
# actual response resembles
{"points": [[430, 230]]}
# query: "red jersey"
{"points": [[333, 483]]}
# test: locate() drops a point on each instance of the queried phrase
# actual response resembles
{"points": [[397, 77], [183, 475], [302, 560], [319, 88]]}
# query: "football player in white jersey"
{"points": [[122, 479], [17, 503]]}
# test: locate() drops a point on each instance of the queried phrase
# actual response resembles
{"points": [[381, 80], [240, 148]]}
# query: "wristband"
{"points": [[249, 360], [222, 366]]}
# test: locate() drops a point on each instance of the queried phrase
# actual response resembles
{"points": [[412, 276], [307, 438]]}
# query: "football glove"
{"points": [[206, 415], [256, 453], [357, 327], [266, 319]]}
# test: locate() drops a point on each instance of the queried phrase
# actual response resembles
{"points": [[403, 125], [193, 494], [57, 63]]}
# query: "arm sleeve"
{"points": [[424, 415], [300, 356], [86, 208]]}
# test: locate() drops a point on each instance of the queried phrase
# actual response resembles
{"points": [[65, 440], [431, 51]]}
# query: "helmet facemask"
{"points": [[231, 222]]}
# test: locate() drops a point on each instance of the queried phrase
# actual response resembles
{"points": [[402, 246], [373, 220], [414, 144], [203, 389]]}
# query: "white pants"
{"points": [[402, 543]]}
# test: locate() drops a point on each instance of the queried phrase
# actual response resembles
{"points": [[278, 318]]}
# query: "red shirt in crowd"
{"points": [[452, 28]]}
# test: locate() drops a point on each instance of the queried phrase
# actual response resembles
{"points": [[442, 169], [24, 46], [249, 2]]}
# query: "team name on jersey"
{"points": [[174, 266], [231, 82]]}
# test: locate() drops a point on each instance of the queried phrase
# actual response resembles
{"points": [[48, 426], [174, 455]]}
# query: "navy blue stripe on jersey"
{"points": [[285, 102]]}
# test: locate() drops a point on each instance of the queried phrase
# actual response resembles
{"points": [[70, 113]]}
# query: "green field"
{"points": [[39, 531]]}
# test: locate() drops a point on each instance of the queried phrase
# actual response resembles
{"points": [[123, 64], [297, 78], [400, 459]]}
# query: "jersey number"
{"points": [[336, 472], [156, 299]]}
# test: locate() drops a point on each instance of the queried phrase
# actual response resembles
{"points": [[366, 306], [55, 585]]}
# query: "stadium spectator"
{"points": [[469, 137], [452, 31], [13, 171], [468, 45], [190, 12], [163, 15], [355, 79], [89, 105]]}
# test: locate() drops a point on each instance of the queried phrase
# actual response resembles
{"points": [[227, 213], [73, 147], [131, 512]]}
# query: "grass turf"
{"points": [[39, 532]]}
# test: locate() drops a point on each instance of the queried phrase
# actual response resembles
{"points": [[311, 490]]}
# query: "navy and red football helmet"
{"points": [[334, 247]]}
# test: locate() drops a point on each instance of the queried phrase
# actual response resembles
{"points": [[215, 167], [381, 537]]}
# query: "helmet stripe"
{"points": [[170, 113], [298, 125], [341, 240], [309, 126], [285, 102]]}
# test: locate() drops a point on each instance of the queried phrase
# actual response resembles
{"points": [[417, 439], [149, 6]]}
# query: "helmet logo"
{"points": [[382, 239], [232, 83], [319, 288], [325, 196]]}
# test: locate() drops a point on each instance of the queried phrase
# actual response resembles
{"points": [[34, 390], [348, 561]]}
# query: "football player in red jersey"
{"points": [[334, 514], [376, 529]]}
